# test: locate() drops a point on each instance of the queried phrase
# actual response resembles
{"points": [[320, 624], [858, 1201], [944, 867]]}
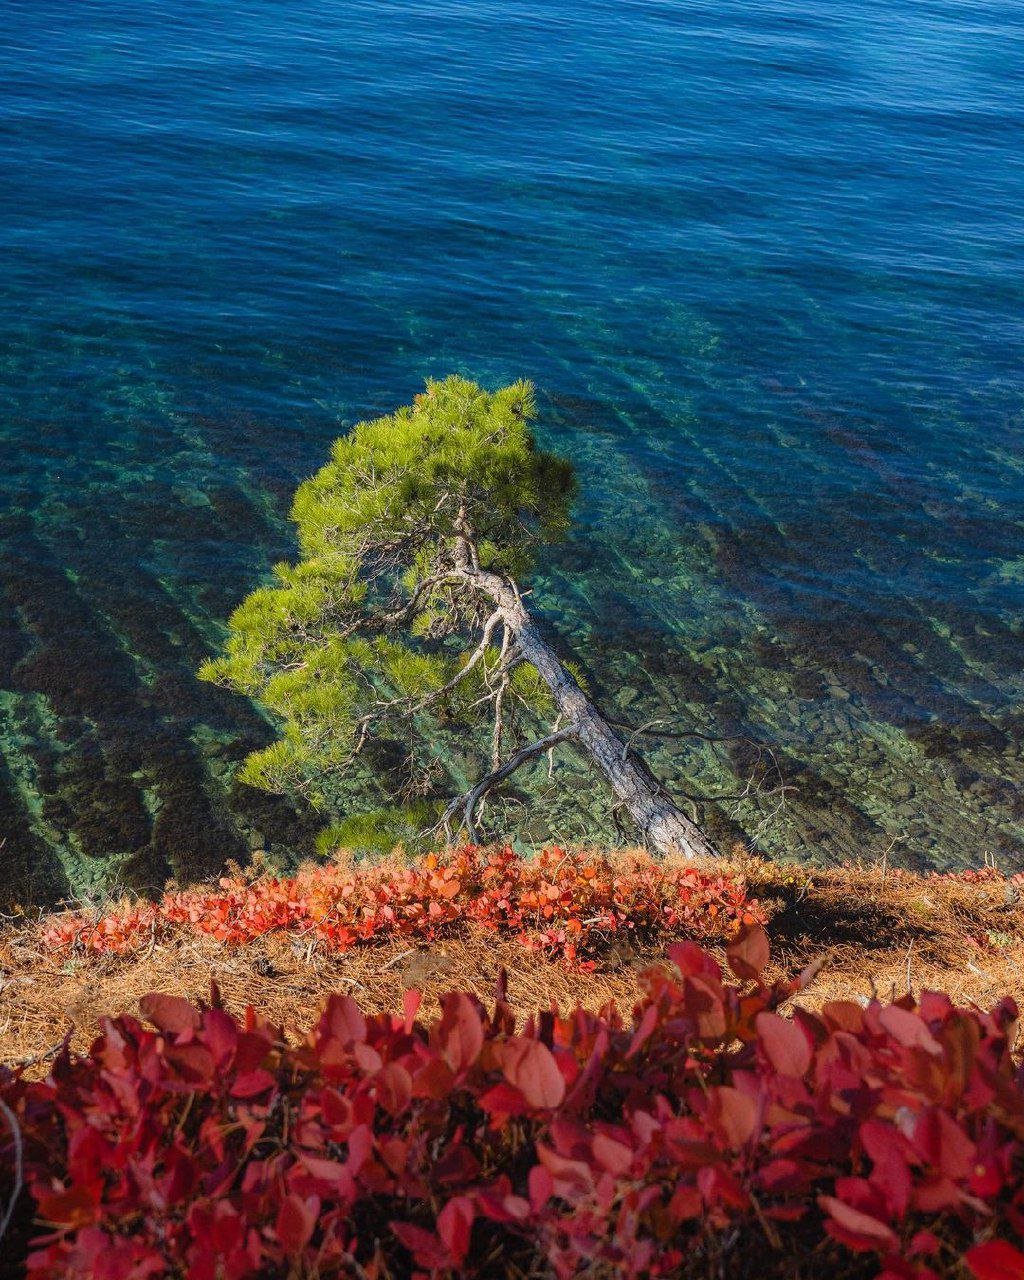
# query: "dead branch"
{"points": [[469, 802]]}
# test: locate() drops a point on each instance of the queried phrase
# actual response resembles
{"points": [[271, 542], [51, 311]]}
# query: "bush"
{"points": [[704, 1135], [568, 904]]}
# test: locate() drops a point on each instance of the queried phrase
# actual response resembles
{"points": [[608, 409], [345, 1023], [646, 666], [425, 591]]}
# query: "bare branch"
{"points": [[471, 662], [392, 704], [754, 788], [498, 725], [469, 802], [648, 729], [406, 610], [551, 750]]}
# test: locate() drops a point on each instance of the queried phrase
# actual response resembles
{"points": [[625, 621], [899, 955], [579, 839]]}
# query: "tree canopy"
{"points": [[397, 653]]}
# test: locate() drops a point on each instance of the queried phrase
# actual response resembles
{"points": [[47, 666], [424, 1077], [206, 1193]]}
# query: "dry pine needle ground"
{"points": [[882, 932]]}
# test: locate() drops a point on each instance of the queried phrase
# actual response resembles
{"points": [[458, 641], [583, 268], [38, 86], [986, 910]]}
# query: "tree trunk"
{"points": [[664, 826]]}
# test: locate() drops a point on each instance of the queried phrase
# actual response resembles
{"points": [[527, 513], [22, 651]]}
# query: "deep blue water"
{"points": [[764, 260]]}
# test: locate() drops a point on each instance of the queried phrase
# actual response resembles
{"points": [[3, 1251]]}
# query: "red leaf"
{"points": [[891, 1173], [748, 952], [426, 1249], [924, 1243], [296, 1222], [360, 1146], [686, 1203], [193, 1064], [394, 1088], [909, 1029], [943, 1143], [643, 1032], [721, 1188], [733, 1114], [67, 1209], [614, 1156], [502, 1101], [171, 1014], [858, 1231], [252, 1083], [460, 1033], [995, 1260], [703, 1003], [570, 1178], [410, 1006], [455, 1225], [843, 1015], [220, 1033], [784, 1044], [531, 1067], [693, 961], [541, 1187], [101, 1256], [343, 1021]]}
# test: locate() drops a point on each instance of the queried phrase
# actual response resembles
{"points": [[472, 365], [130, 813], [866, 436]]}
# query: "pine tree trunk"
{"points": [[665, 827]]}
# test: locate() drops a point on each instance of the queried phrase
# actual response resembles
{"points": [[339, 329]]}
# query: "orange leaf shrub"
{"points": [[565, 903]]}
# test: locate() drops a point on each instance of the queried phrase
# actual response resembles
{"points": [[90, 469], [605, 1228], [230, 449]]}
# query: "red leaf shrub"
{"points": [[707, 1134], [564, 903]]}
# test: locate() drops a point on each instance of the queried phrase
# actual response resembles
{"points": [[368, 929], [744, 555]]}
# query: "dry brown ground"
{"points": [[882, 931]]}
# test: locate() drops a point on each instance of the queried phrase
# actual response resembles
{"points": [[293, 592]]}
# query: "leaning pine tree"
{"points": [[401, 634]]}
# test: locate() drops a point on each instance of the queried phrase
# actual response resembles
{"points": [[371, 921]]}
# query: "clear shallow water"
{"points": [[764, 261]]}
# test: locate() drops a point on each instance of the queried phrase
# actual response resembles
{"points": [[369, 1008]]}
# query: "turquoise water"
{"points": [[765, 263]]}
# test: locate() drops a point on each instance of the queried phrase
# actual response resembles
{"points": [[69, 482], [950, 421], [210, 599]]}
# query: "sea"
{"points": [[763, 260]]}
